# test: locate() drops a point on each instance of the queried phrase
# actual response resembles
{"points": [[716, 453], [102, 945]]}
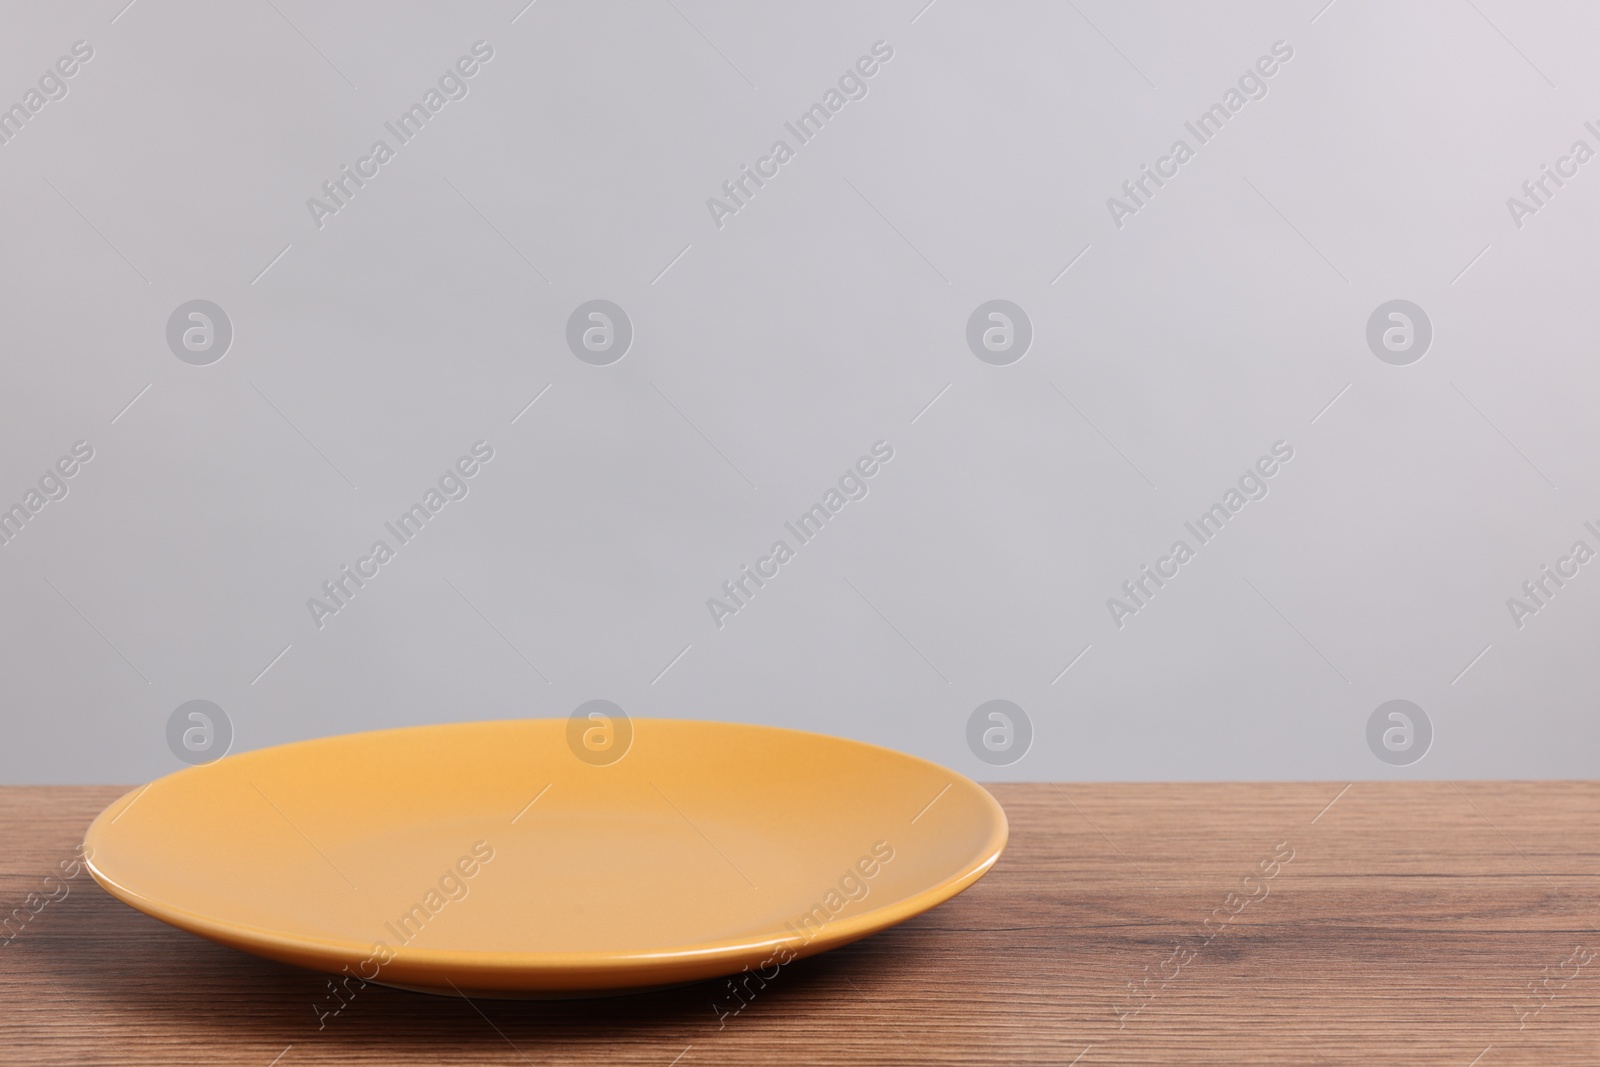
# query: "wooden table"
{"points": [[1306, 923]]}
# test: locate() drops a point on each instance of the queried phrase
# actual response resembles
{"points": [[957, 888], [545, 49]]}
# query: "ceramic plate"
{"points": [[548, 857]]}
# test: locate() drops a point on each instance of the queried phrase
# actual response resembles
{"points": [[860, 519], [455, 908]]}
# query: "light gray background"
{"points": [[825, 316]]}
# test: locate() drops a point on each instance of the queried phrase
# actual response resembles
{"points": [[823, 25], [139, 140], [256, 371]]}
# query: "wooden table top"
{"points": [[1304, 923]]}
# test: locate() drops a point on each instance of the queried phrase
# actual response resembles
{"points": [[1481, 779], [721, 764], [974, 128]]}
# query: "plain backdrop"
{"points": [[774, 346]]}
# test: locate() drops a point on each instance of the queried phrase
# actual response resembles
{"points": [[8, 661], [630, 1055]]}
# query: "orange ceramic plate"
{"points": [[492, 858]]}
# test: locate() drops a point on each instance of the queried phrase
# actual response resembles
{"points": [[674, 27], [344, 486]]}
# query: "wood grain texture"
{"points": [[1407, 928]]}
